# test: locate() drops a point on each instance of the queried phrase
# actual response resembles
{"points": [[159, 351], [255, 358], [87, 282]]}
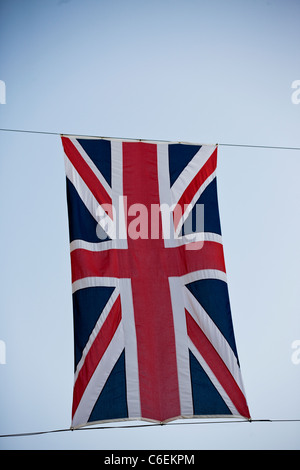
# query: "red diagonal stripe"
{"points": [[96, 352], [217, 365], [87, 175], [202, 175]]}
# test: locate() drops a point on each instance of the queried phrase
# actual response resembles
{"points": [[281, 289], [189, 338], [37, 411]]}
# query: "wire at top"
{"points": [[28, 131]]}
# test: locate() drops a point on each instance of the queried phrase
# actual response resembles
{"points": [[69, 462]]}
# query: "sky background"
{"points": [[179, 70]]}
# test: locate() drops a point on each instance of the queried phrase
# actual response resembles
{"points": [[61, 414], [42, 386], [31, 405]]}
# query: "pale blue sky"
{"points": [[198, 71]]}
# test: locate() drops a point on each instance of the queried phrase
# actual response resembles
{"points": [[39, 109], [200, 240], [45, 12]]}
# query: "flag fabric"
{"points": [[153, 333]]}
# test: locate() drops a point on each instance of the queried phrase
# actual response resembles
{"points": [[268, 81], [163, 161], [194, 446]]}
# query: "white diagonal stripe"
{"points": [[190, 171], [190, 206], [181, 341], [102, 317], [213, 378], [99, 378], [213, 334], [89, 199], [92, 165]]}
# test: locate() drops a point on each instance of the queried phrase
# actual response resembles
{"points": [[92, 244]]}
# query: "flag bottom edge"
{"points": [[155, 421]]}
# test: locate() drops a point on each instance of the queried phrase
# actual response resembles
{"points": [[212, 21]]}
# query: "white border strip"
{"points": [[204, 274], [199, 237], [99, 246], [165, 196], [182, 352], [118, 201], [94, 281], [131, 356]]}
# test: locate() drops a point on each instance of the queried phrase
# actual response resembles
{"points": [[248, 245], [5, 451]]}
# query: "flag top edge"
{"points": [[148, 141]]}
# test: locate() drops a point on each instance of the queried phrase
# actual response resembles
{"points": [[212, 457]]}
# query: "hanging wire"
{"points": [[223, 144], [97, 428]]}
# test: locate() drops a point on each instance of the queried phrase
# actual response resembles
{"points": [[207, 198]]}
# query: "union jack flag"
{"points": [[153, 333]]}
